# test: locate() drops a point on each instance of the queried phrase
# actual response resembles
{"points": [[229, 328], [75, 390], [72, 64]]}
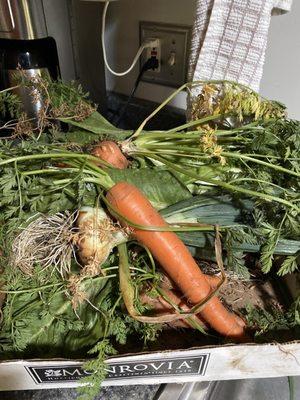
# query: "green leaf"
{"points": [[268, 249], [78, 136], [161, 187], [207, 209], [99, 126], [92, 383], [289, 265]]}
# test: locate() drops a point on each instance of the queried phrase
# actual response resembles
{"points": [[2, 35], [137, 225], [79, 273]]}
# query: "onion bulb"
{"points": [[97, 236]]}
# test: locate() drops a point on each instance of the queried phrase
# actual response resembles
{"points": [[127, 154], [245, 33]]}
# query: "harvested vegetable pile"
{"points": [[108, 235]]}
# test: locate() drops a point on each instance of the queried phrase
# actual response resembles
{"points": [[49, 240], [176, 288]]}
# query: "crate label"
{"points": [[178, 366]]}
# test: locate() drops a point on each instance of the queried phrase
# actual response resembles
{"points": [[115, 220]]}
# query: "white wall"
{"points": [[122, 40], [281, 79]]}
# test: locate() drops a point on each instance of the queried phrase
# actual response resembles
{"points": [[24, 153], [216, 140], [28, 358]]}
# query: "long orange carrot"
{"points": [[109, 151], [174, 258], [159, 304], [213, 280]]}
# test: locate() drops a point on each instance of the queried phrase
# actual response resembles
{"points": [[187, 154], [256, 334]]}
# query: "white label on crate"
{"points": [[131, 369]]}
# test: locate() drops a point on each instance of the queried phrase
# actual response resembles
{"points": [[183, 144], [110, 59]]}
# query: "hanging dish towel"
{"points": [[229, 39]]}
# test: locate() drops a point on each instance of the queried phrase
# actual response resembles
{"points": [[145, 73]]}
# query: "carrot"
{"points": [[159, 304], [213, 280], [174, 258], [109, 151]]}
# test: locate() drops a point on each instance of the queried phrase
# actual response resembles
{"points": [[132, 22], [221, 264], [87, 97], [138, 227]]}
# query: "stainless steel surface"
{"points": [[242, 389], [31, 100], [174, 41], [185, 391], [75, 26], [257, 389], [7, 22], [22, 19]]}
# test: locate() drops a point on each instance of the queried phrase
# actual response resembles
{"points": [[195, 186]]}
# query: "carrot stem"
{"points": [[128, 293], [225, 185], [255, 160], [191, 321], [218, 253], [187, 85]]}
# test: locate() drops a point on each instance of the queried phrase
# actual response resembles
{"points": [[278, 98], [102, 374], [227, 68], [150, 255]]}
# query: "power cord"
{"points": [[151, 63], [149, 43]]}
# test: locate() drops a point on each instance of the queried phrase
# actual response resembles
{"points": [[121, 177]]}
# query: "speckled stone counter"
{"points": [[136, 392]]}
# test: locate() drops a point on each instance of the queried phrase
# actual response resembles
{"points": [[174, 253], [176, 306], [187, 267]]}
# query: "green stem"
{"points": [[60, 171], [189, 135], [189, 150], [38, 289], [275, 157], [178, 148], [50, 155], [225, 185], [10, 88], [291, 383], [255, 180], [173, 152], [197, 122], [104, 179], [255, 160], [164, 103], [150, 137], [19, 188]]}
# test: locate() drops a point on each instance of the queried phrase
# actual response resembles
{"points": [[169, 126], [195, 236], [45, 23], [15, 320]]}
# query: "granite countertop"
{"points": [[134, 392]]}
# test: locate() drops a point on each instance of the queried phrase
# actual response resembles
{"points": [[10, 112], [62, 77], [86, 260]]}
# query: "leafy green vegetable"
{"points": [[160, 187], [228, 97], [99, 126], [242, 162], [240, 232], [102, 350], [10, 105], [272, 323], [40, 316]]}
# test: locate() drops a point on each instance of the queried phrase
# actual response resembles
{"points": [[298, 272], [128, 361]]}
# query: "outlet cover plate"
{"points": [[173, 39]]}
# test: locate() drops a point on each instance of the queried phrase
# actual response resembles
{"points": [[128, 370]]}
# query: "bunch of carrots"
{"points": [[193, 292], [168, 249], [132, 209]]}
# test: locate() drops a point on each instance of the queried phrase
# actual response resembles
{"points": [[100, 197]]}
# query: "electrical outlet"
{"points": [[172, 52], [154, 51]]}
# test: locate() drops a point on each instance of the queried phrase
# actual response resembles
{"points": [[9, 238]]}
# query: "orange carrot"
{"points": [[174, 258], [109, 151], [213, 280], [159, 304]]}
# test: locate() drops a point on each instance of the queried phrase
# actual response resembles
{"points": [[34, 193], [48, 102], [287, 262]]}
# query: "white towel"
{"points": [[229, 39]]}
